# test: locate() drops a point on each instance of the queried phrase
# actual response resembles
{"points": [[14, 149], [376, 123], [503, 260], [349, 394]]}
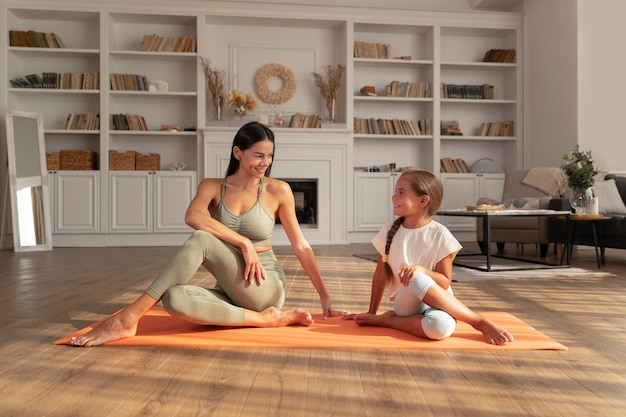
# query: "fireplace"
{"points": [[306, 159], [305, 195]]}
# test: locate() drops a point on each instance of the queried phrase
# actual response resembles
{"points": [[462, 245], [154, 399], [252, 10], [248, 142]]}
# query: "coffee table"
{"points": [[487, 215]]}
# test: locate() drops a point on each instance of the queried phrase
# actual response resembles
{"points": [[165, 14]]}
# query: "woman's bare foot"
{"points": [[113, 328], [273, 317], [494, 334]]}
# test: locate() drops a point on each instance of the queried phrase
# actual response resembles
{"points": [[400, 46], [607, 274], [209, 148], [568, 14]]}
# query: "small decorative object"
{"points": [[241, 103], [328, 88], [178, 166], [580, 172], [215, 84], [157, 85], [281, 72], [278, 120]]}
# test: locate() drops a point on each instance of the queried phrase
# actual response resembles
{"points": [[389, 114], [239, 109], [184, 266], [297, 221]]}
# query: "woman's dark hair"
{"points": [[246, 136]]}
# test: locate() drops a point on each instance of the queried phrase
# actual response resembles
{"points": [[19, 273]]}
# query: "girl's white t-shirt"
{"points": [[425, 246]]}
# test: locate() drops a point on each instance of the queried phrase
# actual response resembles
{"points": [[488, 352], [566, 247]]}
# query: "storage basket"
{"points": [[78, 160], [147, 161], [53, 160], [122, 160]]}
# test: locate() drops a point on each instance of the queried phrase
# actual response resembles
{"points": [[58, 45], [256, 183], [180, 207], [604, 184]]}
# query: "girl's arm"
{"points": [[379, 281], [442, 274]]}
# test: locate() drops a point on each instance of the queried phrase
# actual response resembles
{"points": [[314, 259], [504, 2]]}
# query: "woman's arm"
{"points": [[301, 248], [196, 217], [379, 281]]}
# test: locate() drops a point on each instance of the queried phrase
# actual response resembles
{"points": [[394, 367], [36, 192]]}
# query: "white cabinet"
{"points": [[75, 201], [372, 196], [461, 190], [150, 201]]}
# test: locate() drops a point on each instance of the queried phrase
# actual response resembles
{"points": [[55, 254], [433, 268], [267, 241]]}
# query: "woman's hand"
{"points": [[328, 311], [254, 271]]}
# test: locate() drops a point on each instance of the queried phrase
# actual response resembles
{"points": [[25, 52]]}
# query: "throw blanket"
{"points": [[551, 181]]}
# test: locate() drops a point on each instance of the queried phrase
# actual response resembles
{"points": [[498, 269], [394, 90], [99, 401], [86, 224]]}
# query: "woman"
{"points": [[232, 241]]}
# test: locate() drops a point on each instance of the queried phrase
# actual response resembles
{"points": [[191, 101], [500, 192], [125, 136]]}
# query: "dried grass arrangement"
{"points": [[242, 103], [215, 81], [330, 86]]}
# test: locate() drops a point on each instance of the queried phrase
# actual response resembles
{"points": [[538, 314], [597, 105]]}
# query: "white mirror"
{"points": [[28, 182]]}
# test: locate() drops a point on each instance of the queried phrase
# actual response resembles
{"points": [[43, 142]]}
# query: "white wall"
{"points": [[601, 86], [551, 82]]}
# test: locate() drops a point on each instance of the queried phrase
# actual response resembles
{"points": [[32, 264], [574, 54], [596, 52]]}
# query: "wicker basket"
{"points": [[122, 160], [78, 160], [147, 161], [53, 160]]}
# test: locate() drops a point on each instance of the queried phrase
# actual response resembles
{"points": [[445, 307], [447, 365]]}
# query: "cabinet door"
{"points": [[373, 207], [173, 193], [459, 190], [491, 186], [130, 208], [76, 201]]}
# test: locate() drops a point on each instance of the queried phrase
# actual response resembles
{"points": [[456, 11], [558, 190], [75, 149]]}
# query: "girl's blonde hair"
{"points": [[422, 182]]}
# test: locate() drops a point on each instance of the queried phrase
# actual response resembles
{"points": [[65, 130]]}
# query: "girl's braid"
{"points": [[390, 234]]}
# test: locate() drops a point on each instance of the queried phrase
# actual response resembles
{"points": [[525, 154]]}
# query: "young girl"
{"points": [[415, 265]]}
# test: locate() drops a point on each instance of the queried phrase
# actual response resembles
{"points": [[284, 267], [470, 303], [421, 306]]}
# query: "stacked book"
{"points": [[373, 126], [33, 39], [457, 165], [464, 91], [131, 82], [67, 80], [87, 121], [156, 43], [123, 121], [450, 128], [498, 128]]}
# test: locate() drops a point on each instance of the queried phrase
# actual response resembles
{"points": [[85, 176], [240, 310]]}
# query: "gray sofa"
{"points": [[517, 193], [610, 233]]}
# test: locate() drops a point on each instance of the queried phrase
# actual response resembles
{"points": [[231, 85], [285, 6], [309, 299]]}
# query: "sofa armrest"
{"points": [[560, 204], [557, 229]]}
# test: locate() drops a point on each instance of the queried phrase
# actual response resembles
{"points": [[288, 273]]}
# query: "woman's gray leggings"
{"points": [[224, 304]]}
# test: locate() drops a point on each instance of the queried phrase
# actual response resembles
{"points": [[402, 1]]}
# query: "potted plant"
{"points": [[580, 171]]}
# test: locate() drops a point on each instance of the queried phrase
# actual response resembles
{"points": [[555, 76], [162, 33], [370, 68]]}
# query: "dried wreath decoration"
{"points": [[281, 72]]}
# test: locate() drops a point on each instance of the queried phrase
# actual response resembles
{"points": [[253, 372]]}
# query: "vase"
{"points": [[240, 111], [581, 200], [218, 106], [332, 109]]}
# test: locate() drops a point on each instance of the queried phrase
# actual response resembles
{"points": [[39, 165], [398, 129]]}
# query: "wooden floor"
{"points": [[49, 294]]}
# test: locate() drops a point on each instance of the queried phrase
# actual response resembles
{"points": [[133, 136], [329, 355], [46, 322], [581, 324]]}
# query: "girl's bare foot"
{"points": [[494, 334], [273, 317], [113, 328], [368, 319]]}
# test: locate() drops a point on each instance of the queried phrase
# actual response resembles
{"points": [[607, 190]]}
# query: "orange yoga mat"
{"points": [[158, 328]]}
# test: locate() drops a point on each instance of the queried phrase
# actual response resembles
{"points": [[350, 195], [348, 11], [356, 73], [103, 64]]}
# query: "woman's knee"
{"points": [[438, 324]]}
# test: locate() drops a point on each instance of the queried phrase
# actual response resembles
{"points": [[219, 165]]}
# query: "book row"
{"points": [[498, 128], [33, 39], [371, 50], [499, 55], [374, 126], [311, 121], [465, 91], [131, 82], [86, 121], [457, 165], [408, 89], [124, 121], [156, 43], [59, 80]]}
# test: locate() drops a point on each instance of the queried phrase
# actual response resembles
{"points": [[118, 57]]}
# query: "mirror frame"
{"points": [[15, 183]]}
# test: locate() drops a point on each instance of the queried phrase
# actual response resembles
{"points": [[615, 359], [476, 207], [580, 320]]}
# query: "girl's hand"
{"points": [[254, 269], [408, 272]]}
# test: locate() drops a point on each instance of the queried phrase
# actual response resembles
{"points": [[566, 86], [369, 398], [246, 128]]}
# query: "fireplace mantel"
{"points": [[322, 154]]}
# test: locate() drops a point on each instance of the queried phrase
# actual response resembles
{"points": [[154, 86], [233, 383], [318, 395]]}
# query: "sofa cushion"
{"points": [[609, 199], [620, 182]]}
